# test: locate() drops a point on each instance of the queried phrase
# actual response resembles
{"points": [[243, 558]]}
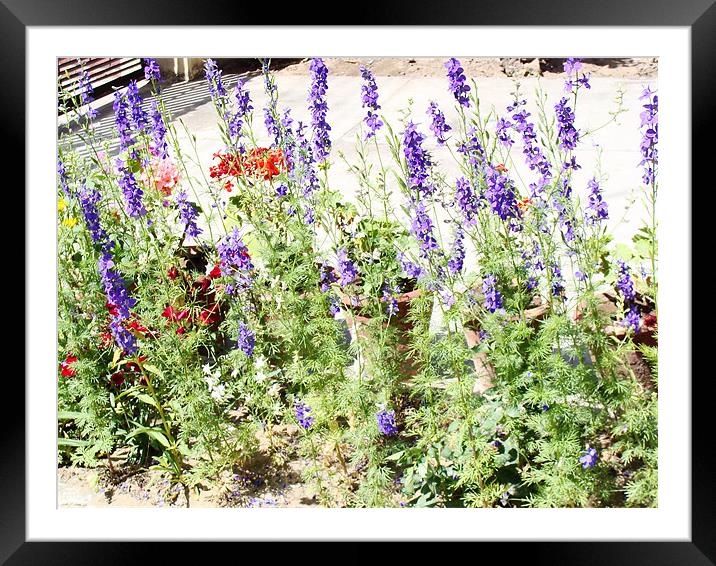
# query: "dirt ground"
{"points": [[275, 477], [480, 67]]}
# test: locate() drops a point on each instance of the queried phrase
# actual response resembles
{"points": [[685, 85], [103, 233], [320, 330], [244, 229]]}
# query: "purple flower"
{"points": [[121, 302], [557, 281], [121, 120], [534, 156], [389, 297], [457, 255], [270, 111], [134, 101], [85, 88], [247, 339], [235, 262], [412, 270], [346, 269], [625, 284], [650, 136], [151, 70], [327, 277], [493, 298], [319, 108], [243, 107], [187, 215], [305, 170], [472, 150], [597, 208], [309, 216], [566, 134], [457, 80], [589, 458], [503, 127], [86, 91], [281, 191], [159, 132], [301, 411], [418, 160], [386, 422], [438, 126], [572, 65], [369, 99], [632, 318], [89, 198], [500, 193], [422, 229], [212, 73], [64, 180], [131, 190], [467, 200]]}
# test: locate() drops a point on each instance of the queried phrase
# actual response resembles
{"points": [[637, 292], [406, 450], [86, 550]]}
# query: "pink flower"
{"points": [[162, 174]]}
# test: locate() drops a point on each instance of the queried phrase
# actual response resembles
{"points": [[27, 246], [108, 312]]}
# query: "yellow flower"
{"points": [[69, 222], [61, 205]]}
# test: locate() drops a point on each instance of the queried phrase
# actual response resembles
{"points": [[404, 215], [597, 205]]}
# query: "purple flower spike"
{"points": [[247, 340], [457, 80], [438, 126], [301, 411], [493, 298], [346, 269], [187, 215], [319, 109], [369, 98], [418, 160], [386, 422]]}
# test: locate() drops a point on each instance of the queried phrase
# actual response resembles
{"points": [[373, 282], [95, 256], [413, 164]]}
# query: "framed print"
{"points": [[401, 279]]}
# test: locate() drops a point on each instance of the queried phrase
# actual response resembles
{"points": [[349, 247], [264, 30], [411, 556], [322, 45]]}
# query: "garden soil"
{"points": [[274, 477]]}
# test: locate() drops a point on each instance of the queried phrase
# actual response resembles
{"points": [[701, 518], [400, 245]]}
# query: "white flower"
{"points": [[260, 362], [218, 392], [260, 376], [274, 389]]}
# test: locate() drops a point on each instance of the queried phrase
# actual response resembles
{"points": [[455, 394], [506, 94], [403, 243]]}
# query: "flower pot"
{"points": [[357, 318], [484, 370]]}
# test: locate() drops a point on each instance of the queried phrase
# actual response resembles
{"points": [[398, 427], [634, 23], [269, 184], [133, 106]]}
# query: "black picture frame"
{"points": [[698, 15]]}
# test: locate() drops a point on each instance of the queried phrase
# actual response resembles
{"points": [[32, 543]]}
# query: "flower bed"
{"points": [[509, 362]]}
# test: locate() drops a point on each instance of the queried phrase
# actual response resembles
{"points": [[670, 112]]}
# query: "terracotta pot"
{"points": [[356, 314], [608, 305], [484, 370]]}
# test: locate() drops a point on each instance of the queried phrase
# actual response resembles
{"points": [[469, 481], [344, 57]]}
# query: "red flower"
{"points": [[209, 316], [172, 273], [172, 315], [265, 163], [501, 167], [112, 309], [117, 378], [105, 340], [201, 284], [137, 328], [181, 330], [523, 204], [216, 272], [65, 368], [650, 320]]}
